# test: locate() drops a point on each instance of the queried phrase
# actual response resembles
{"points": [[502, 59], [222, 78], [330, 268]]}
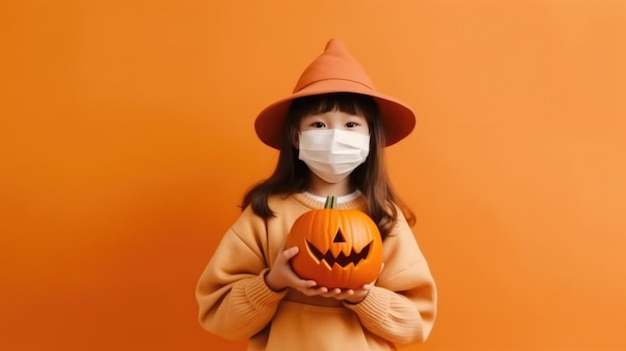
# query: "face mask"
{"points": [[332, 154]]}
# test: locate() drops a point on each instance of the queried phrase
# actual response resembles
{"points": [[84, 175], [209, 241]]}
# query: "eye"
{"points": [[352, 125], [317, 125]]}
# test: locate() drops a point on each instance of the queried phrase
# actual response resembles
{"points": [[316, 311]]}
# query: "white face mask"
{"points": [[332, 154]]}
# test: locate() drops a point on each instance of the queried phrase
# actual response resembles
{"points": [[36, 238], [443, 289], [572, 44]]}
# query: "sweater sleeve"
{"points": [[401, 308], [234, 301]]}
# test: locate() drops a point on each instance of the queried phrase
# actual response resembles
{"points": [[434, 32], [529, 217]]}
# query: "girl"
{"points": [[331, 133]]}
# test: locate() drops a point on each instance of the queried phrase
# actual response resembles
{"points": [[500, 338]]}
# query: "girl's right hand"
{"points": [[281, 276]]}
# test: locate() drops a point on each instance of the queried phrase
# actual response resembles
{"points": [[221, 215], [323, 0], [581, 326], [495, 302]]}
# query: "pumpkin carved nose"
{"points": [[339, 237]]}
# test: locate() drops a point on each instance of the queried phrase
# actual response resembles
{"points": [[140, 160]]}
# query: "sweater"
{"points": [[235, 302]]}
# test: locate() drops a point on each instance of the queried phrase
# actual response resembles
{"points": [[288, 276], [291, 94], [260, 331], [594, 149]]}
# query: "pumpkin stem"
{"points": [[331, 202]]}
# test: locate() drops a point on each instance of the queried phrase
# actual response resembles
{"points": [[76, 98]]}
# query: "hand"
{"points": [[352, 296], [281, 276]]}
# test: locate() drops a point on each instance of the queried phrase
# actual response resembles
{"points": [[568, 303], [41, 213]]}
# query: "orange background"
{"points": [[126, 143]]}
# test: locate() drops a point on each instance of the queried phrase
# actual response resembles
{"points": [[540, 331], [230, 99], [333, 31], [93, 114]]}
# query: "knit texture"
{"points": [[235, 303]]}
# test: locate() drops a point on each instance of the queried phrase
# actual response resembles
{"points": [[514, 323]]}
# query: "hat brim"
{"points": [[398, 119]]}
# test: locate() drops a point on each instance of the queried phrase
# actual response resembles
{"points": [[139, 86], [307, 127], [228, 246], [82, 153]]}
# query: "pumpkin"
{"points": [[338, 248]]}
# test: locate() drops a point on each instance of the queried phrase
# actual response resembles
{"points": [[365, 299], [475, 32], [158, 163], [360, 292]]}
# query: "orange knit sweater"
{"points": [[235, 303]]}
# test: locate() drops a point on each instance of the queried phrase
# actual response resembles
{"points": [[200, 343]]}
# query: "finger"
{"points": [[290, 252], [314, 291], [368, 286], [306, 284], [333, 293]]}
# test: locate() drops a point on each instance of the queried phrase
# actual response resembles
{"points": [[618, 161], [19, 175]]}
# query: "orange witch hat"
{"points": [[334, 71]]}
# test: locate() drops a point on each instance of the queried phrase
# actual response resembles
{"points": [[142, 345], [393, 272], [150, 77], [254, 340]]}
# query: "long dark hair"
{"points": [[292, 175]]}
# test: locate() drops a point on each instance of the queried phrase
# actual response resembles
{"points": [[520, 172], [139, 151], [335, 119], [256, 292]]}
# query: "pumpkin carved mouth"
{"points": [[341, 259]]}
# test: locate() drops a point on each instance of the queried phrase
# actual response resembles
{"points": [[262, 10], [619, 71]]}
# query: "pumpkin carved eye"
{"points": [[338, 248]]}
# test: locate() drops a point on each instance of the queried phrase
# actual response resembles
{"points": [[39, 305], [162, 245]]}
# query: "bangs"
{"points": [[351, 103]]}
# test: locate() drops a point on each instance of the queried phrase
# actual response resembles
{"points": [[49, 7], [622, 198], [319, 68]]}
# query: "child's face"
{"points": [[335, 120]]}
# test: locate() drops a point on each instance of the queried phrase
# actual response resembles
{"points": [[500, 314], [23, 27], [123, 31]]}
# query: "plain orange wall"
{"points": [[126, 142]]}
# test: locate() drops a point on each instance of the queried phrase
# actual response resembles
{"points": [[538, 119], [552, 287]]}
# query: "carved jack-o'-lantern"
{"points": [[338, 248]]}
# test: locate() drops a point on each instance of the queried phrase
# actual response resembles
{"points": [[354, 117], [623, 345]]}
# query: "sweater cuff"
{"points": [[258, 291], [374, 307]]}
